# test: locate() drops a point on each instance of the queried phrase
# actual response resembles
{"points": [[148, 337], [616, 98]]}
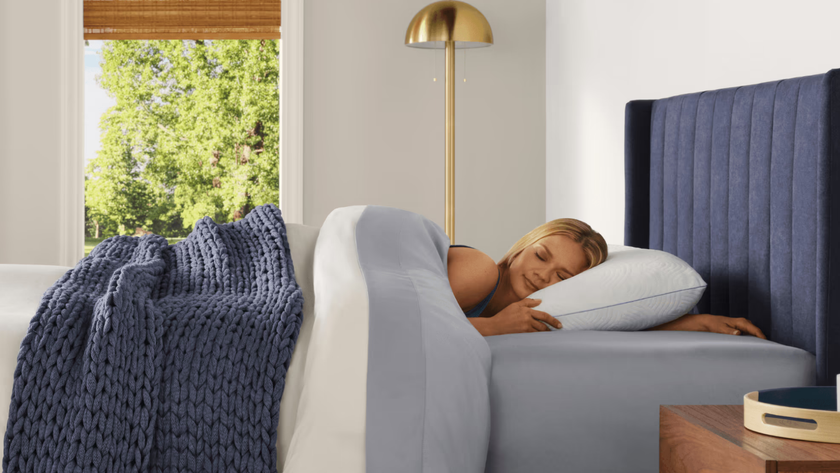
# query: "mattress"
{"points": [[589, 401]]}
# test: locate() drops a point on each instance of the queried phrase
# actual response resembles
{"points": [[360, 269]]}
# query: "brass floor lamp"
{"points": [[449, 25]]}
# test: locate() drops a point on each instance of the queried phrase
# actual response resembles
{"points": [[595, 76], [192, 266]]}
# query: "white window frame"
{"points": [[291, 113], [71, 219], [71, 113]]}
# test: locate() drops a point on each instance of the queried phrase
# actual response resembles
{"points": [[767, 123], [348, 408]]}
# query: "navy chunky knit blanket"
{"points": [[150, 357]]}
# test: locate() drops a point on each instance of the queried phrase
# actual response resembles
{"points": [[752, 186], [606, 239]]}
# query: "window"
{"points": [[184, 128]]}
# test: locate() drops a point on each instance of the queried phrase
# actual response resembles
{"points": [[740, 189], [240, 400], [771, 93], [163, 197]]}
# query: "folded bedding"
{"points": [[387, 373], [23, 286], [150, 357], [396, 377]]}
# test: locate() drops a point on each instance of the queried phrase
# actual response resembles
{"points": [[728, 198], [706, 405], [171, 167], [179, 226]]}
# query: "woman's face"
{"points": [[544, 263]]}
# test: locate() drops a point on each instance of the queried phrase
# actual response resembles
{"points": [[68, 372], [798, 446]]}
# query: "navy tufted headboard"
{"points": [[744, 185]]}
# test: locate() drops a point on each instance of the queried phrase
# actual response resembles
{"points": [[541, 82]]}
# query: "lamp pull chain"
{"points": [[434, 63], [465, 65]]}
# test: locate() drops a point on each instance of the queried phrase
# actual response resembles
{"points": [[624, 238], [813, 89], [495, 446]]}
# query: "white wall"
{"points": [[600, 54], [374, 118], [29, 132]]}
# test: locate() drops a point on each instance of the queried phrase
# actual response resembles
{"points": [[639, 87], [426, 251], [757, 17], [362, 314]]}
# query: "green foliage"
{"points": [[194, 133]]}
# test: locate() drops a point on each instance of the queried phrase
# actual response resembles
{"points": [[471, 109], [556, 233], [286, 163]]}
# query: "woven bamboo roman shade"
{"points": [[182, 19]]}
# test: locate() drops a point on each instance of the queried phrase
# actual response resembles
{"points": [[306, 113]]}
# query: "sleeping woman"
{"points": [[495, 295]]}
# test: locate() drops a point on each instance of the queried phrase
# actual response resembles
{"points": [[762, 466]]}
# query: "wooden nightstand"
{"points": [[713, 439]]}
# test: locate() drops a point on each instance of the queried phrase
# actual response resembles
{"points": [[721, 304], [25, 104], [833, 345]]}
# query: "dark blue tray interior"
{"points": [[823, 398]]}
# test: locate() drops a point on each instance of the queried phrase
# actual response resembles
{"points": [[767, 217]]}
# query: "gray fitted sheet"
{"points": [[589, 401]]}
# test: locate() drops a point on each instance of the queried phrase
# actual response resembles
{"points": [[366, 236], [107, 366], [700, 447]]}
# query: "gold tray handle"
{"points": [[791, 422]]}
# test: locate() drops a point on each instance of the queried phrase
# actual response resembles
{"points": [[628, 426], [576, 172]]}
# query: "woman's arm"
{"points": [[484, 325], [712, 323], [519, 317]]}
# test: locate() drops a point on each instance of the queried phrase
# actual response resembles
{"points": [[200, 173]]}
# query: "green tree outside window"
{"points": [[194, 133]]}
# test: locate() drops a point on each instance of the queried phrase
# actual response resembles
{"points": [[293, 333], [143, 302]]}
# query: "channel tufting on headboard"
{"points": [[744, 185]]}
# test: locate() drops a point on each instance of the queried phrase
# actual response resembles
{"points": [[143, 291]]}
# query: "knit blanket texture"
{"points": [[150, 357]]}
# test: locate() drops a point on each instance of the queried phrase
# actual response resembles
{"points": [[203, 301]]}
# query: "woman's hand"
{"points": [[518, 317], [714, 324]]}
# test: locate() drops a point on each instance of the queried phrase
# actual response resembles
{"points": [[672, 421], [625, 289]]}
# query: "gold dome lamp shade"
{"points": [[449, 25]]}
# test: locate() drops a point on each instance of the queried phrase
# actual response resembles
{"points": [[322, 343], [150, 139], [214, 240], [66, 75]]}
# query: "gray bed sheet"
{"points": [[428, 370], [589, 401]]}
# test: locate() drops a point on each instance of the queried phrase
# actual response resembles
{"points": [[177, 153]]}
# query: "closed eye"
{"points": [[540, 257]]}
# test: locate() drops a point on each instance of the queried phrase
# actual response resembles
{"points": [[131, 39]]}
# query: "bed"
{"points": [[741, 183]]}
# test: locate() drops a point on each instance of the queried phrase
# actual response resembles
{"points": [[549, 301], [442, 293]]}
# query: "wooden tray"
{"points": [[795, 413]]}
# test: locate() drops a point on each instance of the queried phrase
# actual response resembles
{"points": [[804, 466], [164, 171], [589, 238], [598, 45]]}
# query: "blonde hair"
{"points": [[594, 245]]}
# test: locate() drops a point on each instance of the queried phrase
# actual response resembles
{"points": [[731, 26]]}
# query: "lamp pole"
{"points": [[450, 22], [449, 123]]}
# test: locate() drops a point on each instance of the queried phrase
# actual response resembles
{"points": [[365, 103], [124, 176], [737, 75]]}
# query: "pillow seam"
{"points": [[630, 302]]}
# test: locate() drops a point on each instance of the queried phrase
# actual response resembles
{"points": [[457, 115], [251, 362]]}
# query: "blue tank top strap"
{"points": [[479, 308]]}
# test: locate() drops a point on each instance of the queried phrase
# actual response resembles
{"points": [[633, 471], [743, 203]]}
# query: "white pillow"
{"points": [[634, 289]]}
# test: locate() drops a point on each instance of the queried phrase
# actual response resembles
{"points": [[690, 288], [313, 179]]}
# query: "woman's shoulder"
{"points": [[472, 275], [470, 256]]}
